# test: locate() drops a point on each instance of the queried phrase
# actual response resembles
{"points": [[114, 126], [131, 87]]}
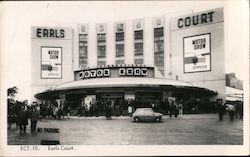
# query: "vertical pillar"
{"points": [[92, 51], [129, 43], [110, 51], [148, 46]]}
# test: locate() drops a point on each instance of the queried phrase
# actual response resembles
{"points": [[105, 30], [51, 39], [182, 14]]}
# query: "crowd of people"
{"points": [[234, 109], [20, 112], [121, 107]]}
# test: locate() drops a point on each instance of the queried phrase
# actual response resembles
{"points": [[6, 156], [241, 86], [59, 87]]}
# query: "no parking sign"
{"points": [[49, 136]]}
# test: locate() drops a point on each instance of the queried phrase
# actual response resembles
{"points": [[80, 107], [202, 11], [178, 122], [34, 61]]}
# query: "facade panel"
{"points": [[147, 42]]}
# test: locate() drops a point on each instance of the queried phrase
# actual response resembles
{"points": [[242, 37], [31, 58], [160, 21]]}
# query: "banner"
{"points": [[197, 53], [51, 62]]}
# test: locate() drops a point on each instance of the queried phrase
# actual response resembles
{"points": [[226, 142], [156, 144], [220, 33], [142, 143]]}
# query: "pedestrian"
{"points": [[59, 113], [86, 107], [180, 108], [95, 108], [175, 108], [153, 105], [241, 110], [108, 112], [170, 109], [34, 116], [130, 110], [55, 112], [221, 108], [68, 110], [90, 108], [11, 113], [231, 111], [121, 107], [23, 120]]}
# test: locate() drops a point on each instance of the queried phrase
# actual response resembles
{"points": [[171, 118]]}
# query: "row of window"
{"points": [[120, 48]]}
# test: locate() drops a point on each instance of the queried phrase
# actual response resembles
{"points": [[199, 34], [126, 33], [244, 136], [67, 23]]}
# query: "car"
{"points": [[146, 114]]}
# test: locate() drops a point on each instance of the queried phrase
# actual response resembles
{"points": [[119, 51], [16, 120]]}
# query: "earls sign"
{"points": [[51, 33]]}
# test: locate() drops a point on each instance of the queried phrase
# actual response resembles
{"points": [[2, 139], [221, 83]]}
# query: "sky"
{"points": [[16, 19]]}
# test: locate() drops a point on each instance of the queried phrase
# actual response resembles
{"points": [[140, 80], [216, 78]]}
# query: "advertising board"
{"points": [[197, 53], [51, 62]]}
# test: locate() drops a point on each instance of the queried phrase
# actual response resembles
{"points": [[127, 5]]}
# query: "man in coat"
{"points": [[33, 119], [23, 119], [221, 109]]}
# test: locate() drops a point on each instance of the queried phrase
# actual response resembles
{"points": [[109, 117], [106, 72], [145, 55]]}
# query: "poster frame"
{"points": [[210, 36], [41, 62]]}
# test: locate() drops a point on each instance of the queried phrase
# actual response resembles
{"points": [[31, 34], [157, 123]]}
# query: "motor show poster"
{"points": [[197, 53], [51, 66]]}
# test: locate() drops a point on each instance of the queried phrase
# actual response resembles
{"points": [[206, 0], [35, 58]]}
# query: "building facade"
{"points": [[165, 57]]}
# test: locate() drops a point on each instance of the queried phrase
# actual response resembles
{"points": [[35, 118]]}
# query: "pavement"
{"points": [[191, 129]]}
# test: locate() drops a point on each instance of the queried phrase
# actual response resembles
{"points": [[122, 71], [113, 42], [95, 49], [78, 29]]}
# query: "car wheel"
{"points": [[136, 119], [158, 119]]}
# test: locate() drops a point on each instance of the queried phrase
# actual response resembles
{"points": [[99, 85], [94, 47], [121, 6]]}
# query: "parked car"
{"points": [[146, 114]]}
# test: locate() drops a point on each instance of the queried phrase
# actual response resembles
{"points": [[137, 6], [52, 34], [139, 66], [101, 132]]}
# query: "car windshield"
{"points": [[142, 110], [139, 111], [148, 111]]}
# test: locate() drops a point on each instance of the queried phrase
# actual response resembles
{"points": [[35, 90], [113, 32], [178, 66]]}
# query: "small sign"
{"points": [[49, 136]]}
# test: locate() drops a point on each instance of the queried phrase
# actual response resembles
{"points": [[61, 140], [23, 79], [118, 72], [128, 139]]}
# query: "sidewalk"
{"points": [[186, 116]]}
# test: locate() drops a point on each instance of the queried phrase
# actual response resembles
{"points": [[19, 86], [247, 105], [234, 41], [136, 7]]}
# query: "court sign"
{"points": [[197, 53], [51, 62]]}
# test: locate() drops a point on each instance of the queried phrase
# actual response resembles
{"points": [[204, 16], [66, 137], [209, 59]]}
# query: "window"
{"points": [[83, 50], [119, 62], [119, 50], [138, 61], [119, 36], [101, 47], [101, 62], [159, 49], [138, 46], [119, 47], [101, 51]]}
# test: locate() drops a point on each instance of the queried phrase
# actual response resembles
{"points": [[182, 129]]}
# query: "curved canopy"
{"points": [[123, 82]]}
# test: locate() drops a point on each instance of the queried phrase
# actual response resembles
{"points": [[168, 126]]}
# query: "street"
{"points": [[191, 130]]}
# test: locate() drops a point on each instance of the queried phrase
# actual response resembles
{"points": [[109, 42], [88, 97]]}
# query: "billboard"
{"points": [[197, 53], [51, 62]]}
